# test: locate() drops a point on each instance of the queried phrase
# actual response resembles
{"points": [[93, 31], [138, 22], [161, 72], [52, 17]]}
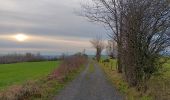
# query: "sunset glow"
{"points": [[21, 37]]}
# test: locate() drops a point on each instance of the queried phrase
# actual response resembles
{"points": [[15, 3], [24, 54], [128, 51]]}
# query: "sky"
{"points": [[51, 27]]}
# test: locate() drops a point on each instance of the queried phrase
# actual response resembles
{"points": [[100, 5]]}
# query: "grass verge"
{"points": [[158, 86], [91, 67]]}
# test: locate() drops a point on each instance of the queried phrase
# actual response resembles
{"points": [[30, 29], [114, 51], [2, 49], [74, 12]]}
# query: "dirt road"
{"points": [[89, 85]]}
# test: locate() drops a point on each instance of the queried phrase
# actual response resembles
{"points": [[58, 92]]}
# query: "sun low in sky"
{"points": [[21, 37], [22, 30]]}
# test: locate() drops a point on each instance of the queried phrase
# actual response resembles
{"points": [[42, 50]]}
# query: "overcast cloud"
{"points": [[53, 22]]}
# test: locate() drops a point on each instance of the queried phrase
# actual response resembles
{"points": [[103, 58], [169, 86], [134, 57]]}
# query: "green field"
{"points": [[18, 73]]}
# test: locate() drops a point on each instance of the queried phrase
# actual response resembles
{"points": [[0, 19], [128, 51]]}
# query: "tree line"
{"points": [[140, 28], [28, 57]]}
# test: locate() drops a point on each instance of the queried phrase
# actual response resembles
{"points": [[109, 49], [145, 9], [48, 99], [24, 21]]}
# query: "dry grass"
{"points": [[22, 92]]}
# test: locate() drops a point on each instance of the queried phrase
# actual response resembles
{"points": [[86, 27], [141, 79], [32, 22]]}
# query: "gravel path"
{"points": [[89, 86]]}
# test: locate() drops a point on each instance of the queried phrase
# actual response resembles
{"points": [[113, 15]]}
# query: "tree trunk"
{"points": [[119, 59]]}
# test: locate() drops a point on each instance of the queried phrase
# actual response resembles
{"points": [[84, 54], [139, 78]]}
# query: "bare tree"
{"points": [[111, 49], [145, 25], [99, 45], [110, 13], [139, 27]]}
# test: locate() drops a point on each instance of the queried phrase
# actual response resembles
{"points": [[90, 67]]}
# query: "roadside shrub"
{"points": [[23, 92], [69, 64], [29, 89], [11, 93]]}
